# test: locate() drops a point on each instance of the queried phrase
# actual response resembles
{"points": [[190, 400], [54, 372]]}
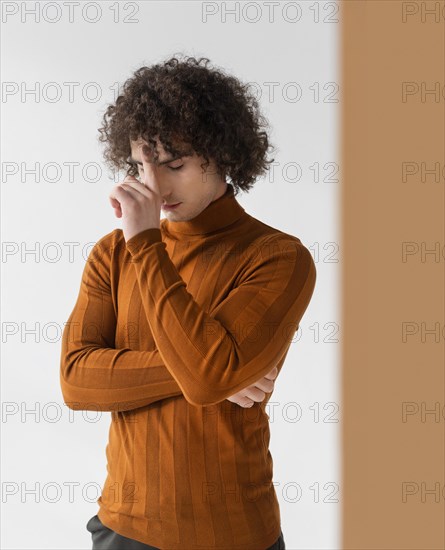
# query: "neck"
{"points": [[220, 213]]}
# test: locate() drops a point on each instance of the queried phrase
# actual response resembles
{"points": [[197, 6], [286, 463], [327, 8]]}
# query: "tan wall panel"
{"points": [[384, 293]]}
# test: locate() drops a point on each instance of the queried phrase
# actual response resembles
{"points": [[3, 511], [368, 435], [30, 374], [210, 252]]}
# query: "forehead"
{"points": [[136, 149], [140, 147]]}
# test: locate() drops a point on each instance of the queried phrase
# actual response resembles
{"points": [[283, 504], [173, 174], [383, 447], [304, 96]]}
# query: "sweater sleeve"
{"points": [[93, 374], [214, 355]]}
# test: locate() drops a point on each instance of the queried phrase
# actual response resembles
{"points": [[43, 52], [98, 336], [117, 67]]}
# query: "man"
{"points": [[183, 323]]}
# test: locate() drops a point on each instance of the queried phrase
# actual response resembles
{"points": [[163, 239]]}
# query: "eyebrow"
{"points": [[131, 159]]}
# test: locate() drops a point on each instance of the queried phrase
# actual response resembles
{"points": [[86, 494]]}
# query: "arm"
{"points": [[96, 376], [244, 337], [93, 374]]}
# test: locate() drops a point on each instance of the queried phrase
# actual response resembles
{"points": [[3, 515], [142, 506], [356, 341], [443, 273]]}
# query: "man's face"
{"points": [[180, 180]]}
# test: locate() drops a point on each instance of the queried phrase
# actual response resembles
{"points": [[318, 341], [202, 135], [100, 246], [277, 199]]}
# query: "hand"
{"points": [[138, 204], [256, 392]]}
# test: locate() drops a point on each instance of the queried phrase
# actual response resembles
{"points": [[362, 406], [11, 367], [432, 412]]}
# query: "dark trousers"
{"points": [[106, 539]]}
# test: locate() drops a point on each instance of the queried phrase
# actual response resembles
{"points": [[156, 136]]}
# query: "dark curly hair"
{"points": [[192, 109]]}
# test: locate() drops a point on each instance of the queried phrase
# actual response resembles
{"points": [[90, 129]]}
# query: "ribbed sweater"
{"points": [[165, 328]]}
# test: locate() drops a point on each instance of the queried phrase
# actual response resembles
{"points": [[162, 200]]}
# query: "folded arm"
{"points": [[93, 374], [213, 355]]}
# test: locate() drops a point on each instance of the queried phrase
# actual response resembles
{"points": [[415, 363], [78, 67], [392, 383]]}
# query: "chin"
{"points": [[172, 215]]}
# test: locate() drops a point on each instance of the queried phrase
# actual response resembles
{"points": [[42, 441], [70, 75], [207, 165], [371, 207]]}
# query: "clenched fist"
{"points": [[138, 204]]}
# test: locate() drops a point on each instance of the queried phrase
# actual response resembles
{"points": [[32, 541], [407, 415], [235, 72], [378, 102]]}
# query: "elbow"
{"points": [[197, 399], [75, 396], [68, 360], [71, 396], [218, 386], [204, 397], [81, 399], [70, 393], [212, 391], [74, 405], [76, 402]]}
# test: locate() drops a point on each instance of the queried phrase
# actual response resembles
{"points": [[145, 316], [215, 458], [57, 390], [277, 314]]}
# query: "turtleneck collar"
{"points": [[218, 214]]}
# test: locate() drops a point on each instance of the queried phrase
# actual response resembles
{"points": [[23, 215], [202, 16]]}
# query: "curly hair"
{"points": [[192, 108]]}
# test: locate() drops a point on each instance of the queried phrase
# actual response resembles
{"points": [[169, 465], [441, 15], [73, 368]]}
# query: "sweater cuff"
{"points": [[142, 239]]}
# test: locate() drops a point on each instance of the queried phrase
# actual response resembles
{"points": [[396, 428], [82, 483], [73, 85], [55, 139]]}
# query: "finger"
{"points": [[272, 374], [244, 402], [265, 384], [114, 202], [116, 206], [115, 197], [121, 193], [254, 394], [137, 185], [154, 186], [132, 190], [129, 178]]}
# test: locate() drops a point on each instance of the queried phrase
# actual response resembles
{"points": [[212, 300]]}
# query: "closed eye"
{"points": [[141, 169]]}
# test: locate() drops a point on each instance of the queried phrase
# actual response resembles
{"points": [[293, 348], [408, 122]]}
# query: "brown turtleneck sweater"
{"points": [[167, 326]]}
